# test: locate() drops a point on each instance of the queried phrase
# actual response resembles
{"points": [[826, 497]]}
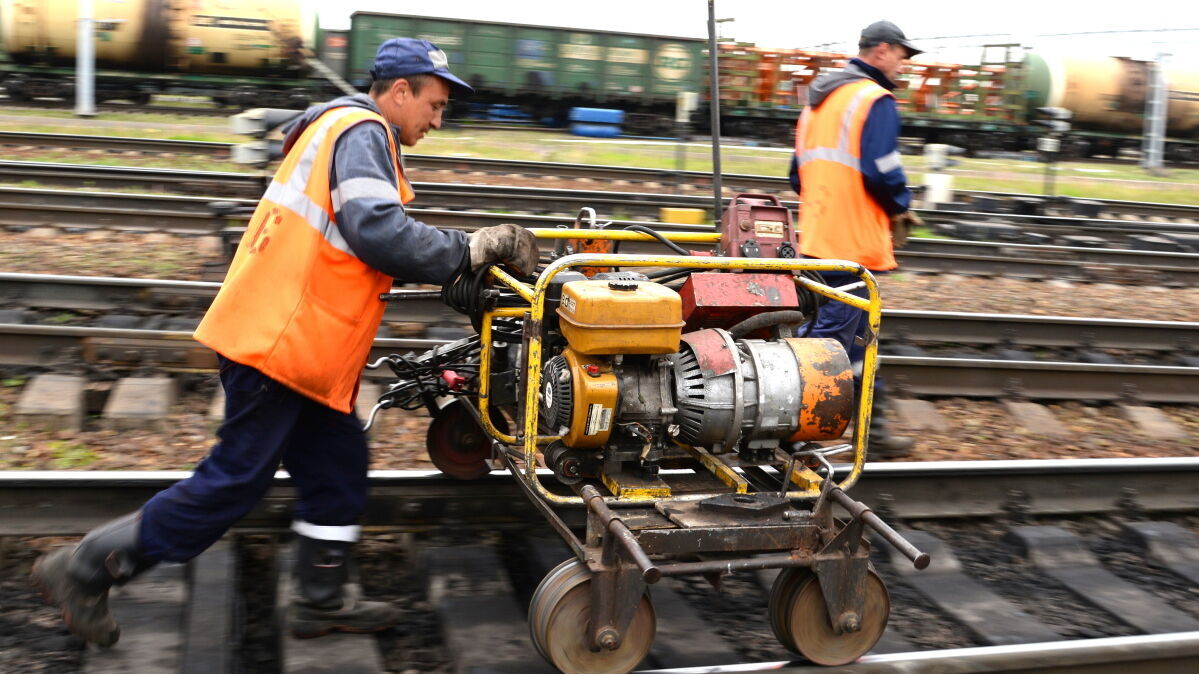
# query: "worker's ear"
{"points": [[401, 90]]}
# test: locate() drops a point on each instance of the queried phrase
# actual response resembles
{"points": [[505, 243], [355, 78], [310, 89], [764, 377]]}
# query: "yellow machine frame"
{"points": [[534, 313]]}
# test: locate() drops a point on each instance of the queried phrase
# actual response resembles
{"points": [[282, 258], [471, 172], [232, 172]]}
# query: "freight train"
{"points": [[240, 52], [255, 54]]}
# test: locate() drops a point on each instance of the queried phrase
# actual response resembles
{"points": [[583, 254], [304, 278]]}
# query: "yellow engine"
{"points": [[623, 384]]}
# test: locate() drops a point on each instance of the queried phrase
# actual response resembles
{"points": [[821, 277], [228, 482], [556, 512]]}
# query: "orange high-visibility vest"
{"points": [[838, 219], [297, 303]]}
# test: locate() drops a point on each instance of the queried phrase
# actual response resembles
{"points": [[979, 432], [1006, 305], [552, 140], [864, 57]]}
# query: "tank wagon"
{"points": [[553, 69], [235, 50], [1108, 94]]}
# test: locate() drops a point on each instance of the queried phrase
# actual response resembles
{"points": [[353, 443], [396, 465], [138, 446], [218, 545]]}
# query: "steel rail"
{"points": [[72, 502], [166, 296], [123, 143], [984, 378], [418, 162], [1145, 654], [39, 345], [169, 350], [125, 177], [190, 215], [449, 205], [454, 194], [1024, 251]]}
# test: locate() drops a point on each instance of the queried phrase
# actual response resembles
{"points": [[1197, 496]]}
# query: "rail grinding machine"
{"points": [[671, 400]]}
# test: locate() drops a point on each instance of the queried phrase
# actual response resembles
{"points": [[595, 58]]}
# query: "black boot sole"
{"points": [[36, 579]]}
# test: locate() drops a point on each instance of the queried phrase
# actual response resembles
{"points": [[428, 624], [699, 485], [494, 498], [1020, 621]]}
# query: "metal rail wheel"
{"points": [[561, 628], [458, 445], [800, 618]]}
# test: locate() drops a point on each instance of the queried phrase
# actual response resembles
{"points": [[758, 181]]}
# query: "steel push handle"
{"points": [[859, 510]]}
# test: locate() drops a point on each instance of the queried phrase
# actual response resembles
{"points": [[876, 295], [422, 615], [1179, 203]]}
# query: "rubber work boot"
{"points": [[883, 443], [77, 579], [326, 601]]}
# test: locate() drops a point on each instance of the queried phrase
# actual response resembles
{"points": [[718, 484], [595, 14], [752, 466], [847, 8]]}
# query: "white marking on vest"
{"points": [[293, 195], [840, 154], [888, 162], [346, 534]]}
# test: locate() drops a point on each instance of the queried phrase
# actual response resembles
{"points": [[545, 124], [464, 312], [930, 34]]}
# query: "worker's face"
{"points": [[891, 60], [416, 113]]}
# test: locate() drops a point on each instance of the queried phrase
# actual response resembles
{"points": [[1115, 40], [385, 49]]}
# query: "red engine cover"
{"points": [[757, 225], [714, 300]]}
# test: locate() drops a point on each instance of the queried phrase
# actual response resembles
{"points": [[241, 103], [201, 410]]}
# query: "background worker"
{"points": [[855, 199], [292, 326]]}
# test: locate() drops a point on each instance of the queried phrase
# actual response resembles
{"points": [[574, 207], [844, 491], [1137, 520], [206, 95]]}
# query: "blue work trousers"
{"points": [[839, 321], [324, 451]]}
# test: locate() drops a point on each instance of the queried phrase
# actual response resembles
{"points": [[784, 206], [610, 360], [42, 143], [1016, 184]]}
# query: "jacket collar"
{"points": [[873, 73]]}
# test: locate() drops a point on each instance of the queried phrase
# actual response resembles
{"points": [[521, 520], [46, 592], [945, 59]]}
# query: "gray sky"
{"points": [[777, 23]]}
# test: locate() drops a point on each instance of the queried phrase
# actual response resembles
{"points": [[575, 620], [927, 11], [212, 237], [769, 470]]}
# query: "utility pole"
{"points": [[85, 62], [1153, 139], [714, 89]]}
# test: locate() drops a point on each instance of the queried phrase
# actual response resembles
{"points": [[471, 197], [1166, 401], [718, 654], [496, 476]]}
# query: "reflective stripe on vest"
{"points": [[841, 153], [838, 217], [297, 303]]}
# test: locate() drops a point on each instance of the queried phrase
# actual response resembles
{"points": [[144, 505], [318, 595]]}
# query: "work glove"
{"points": [[507, 243], [900, 224]]}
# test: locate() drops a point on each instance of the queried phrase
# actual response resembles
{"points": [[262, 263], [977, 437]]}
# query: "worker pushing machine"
{"points": [[292, 326], [855, 199]]}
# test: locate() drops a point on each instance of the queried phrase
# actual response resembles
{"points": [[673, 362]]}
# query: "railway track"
{"points": [[978, 201], [191, 215], [1000, 595], [1103, 216], [130, 323], [44, 104]]}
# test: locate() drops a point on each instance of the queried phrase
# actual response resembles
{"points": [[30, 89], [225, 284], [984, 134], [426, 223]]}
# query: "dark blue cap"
{"points": [[403, 56]]}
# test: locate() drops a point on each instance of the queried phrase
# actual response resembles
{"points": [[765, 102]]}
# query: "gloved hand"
{"points": [[900, 224], [511, 244]]}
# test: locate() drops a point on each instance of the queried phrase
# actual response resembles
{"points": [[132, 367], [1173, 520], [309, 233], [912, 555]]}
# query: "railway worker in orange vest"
{"points": [[853, 190], [293, 325]]}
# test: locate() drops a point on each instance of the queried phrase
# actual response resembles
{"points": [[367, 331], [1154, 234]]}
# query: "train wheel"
{"points": [[457, 445], [804, 625], [782, 595], [559, 624]]}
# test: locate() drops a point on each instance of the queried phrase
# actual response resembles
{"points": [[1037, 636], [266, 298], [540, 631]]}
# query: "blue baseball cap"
{"points": [[402, 56]]}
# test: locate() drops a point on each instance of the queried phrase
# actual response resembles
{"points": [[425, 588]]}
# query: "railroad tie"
{"points": [[920, 415], [150, 610], [1172, 546], [1064, 557], [340, 652], [483, 625], [1152, 422], [140, 403], [1035, 418], [987, 615], [53, 402], [211, 636]]}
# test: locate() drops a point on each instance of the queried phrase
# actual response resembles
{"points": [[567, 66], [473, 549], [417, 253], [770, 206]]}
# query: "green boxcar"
{"points": [[514, 62]]}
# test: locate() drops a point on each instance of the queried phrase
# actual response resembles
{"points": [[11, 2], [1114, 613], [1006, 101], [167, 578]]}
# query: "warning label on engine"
{"points": [[599, 419], [768, 229]]}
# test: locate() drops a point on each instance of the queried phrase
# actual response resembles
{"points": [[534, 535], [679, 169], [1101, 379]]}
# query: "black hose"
{"points": [[665, 241], [767, 320]]}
